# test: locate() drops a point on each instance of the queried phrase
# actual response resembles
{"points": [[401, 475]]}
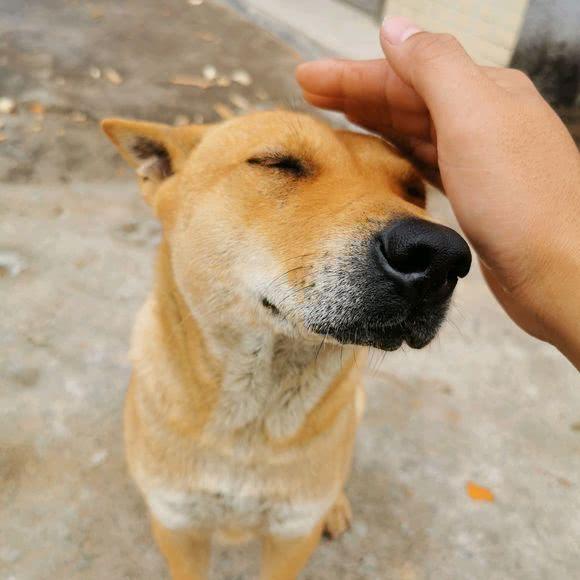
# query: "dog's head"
{"points": [[276, 219]]}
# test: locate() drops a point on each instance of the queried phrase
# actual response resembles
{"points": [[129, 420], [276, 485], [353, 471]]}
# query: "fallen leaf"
{"points": [[37, 109], [191, 81], [242, 77], [7, 105], [223, 111], [208, 37], [223, 82], [113, 76], [96, 12], [478, 492], [78, 117]]}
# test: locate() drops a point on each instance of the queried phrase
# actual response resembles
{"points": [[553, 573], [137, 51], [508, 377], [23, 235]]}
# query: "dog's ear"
{"points": [[156, 151]]}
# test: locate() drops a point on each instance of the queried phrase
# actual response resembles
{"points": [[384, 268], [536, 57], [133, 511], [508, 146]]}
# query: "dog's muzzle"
{"points": [[397, 290]]}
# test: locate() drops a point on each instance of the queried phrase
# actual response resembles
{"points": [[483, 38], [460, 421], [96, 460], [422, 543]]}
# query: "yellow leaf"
{"points": [[191, 81], [478, 492], [223, 111]]}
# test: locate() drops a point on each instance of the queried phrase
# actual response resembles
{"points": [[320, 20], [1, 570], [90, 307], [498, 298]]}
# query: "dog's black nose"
{"points": [[423, 259]]}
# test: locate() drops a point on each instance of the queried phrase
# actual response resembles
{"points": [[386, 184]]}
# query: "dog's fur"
{"points": [[241, 414]]}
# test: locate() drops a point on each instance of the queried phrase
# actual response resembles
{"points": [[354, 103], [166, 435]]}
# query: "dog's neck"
{"points": [[270, 379], [266, 379]]}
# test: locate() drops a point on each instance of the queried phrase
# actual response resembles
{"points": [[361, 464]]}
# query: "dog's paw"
{"points": [[338, 518]]}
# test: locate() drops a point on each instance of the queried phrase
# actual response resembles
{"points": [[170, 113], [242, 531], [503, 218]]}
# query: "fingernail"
{"points": [[397, 29]]}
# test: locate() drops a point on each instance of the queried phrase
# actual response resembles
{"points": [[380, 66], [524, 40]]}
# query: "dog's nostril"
{"points": [[413, 260], [461, 267]]}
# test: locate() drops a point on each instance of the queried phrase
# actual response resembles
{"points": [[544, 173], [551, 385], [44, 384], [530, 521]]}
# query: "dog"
{"points": [[288, 247]]}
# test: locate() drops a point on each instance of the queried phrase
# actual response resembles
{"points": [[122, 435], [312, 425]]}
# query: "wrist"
{"points": [[555, 298]]}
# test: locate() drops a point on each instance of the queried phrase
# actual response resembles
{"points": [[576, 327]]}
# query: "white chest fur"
{"points": [[233, 480], [222, 510]]}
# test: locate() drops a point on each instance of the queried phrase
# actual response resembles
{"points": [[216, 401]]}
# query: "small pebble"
{"points": [[99, 457], [11, 264], [209, 72], [95, 72], [7, 105]]}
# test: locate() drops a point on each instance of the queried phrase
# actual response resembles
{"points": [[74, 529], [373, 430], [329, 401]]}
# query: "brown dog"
{"points": [[287, 246]]}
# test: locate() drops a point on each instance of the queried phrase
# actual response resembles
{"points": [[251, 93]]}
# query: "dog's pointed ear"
{"points": [[156, 151]]}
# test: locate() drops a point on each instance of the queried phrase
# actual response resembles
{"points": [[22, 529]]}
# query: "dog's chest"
{"points": [[234, 479], [247, 507]]}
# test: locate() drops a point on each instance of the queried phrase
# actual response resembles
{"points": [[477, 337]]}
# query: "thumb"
{"points": [[435, 65]]}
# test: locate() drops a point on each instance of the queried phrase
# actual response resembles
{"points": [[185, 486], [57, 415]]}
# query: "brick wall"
{"points": [[489, 29]]}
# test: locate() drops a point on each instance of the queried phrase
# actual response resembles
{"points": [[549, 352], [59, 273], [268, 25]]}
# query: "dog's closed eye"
{"points": [[283, 162]]}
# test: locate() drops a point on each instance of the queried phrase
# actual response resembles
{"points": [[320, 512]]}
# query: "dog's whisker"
{"points": [[268, 287]]}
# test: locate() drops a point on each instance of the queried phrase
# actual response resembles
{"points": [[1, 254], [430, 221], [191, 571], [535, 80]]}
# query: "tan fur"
{"points": [[238, 423]]}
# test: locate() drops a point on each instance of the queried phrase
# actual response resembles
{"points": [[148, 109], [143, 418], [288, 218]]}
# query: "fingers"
{"points": [[369, 82], [511, 80], [378, 118], [420, 149], [437, 67]]}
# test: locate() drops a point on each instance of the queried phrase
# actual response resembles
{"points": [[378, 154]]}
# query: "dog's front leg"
{"points": [[284, 558], [187, 552]]}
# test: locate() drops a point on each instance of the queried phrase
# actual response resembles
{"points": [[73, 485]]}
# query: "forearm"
{"points": [[562, 306]]}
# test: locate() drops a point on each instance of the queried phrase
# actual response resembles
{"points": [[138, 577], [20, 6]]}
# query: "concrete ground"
{"points": [[483, 404]]}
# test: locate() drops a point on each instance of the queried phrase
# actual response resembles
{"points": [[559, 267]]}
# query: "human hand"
{"points": [[507, 164]]}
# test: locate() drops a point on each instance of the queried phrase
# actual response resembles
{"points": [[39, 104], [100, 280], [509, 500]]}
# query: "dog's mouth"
{"points": [[269, 306], [388, 333], [414, 333], [417, 331]]}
